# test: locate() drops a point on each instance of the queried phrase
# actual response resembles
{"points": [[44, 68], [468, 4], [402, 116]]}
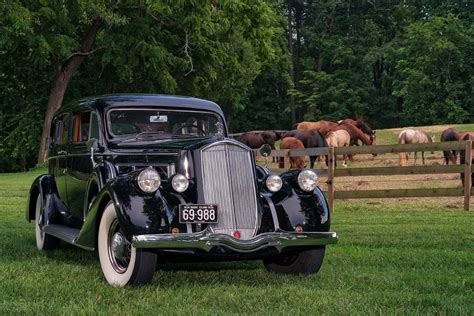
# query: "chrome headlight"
{"points": [[149, 180], [273, 183], [308, 180], [179, 183]]}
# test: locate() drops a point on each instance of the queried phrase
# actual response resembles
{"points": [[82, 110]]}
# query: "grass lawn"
{"points": [[400, 258]]}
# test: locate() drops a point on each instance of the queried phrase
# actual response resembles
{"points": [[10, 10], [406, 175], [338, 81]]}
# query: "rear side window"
{"points": [[80, 128]]}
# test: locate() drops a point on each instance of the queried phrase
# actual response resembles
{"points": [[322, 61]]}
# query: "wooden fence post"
{"points": [[330, 181], [286, 160], [467, 175]]}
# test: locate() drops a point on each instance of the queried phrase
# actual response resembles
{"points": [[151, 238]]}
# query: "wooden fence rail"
{"points": [[332, 173]]}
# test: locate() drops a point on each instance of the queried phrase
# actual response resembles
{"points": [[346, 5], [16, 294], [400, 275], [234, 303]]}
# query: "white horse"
{"points": [[413, 136]]}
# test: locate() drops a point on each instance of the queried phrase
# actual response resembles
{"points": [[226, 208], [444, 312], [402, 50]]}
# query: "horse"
{"points": [[413, 136], [307, 126], [312, 138], [448, 135], [363, 126], [292, 143], [339, 138], [462, 155], [256, 140]]}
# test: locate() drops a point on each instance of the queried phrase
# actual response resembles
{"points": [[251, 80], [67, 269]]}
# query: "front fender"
{"points": [[295, 207], [138, 212]]}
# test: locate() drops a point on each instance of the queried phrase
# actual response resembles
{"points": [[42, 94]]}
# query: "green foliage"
{"points": [[393, 63], [434, 69]]}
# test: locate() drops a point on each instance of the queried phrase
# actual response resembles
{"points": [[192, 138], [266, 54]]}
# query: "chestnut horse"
{"points": [[462, 155], [448, 135], [292, 143], [339, 138], [363, 126], [309, 139], [413, 136], [307, 126]]}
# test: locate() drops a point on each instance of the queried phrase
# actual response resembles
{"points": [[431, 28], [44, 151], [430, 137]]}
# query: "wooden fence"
{"points": [[332, 172]]}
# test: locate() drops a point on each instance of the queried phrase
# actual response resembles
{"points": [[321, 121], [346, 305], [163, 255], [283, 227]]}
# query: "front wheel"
{"points": [[305, 262], [121, 263]]}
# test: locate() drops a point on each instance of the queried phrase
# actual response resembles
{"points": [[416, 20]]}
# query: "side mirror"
{"points": [[265, 150]]}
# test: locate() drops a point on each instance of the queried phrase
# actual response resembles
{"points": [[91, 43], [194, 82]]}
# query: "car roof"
{"points": [[104, 102]]}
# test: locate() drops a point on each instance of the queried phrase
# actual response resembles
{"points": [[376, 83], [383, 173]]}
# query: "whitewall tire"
{"points": [[121, 263], [43, 240]]}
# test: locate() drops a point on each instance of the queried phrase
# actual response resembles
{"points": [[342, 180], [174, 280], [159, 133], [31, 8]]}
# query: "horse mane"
{"points": [[357, 133]]}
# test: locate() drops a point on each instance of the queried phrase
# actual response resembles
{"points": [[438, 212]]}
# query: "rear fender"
{"points": [[54, 209]]}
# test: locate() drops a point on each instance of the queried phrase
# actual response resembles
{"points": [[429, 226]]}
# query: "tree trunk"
{"points": [[63, 77]]}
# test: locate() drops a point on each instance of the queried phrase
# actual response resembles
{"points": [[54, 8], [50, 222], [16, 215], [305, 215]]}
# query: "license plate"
{"points": [[197, 213]]}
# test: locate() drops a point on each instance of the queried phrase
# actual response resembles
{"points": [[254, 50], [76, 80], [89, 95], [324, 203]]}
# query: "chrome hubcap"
{"points": [[120, 249]]}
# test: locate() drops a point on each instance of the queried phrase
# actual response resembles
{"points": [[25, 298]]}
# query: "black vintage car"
{"points": [[152, 178]]}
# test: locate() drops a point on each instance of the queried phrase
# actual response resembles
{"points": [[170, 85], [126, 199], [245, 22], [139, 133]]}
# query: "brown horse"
{"points": [[307, 126], [462, 155], [413, 136], [339, 138], [310, 139], [363, 126], [292, 143], [448, 135], [256, 140]]}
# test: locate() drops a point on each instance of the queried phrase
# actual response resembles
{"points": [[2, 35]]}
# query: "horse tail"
{"points": [[403, 159]]}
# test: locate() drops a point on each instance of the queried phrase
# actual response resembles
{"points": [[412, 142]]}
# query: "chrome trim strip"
{"points": [[206, 240], [276, 223]]}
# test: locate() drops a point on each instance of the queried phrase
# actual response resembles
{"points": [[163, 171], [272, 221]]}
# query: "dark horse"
{"points": [[462, 155], [449, 135], [312, 138], [256, 140]]}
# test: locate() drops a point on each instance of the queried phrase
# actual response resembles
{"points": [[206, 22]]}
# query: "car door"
{"points": [[58, 154], [79, 163]]}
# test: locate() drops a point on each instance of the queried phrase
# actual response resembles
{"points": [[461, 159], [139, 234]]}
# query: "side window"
{"points": [[59, 130], [80, 127], [94, 126]]}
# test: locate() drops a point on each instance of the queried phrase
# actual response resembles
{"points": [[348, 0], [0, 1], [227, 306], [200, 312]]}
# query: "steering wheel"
{"points": [[187, 126]]}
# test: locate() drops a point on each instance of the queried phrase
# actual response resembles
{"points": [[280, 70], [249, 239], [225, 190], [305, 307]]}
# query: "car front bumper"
{"points": [[206, 240]]}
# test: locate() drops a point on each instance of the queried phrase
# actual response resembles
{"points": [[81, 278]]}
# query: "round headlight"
{"points": [[308, 180], [274, 183], [179, 183], [149, 180]]}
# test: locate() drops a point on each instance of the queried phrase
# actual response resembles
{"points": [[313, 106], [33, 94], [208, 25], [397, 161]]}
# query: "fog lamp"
{"points": [[179, 183], [274, 183]]}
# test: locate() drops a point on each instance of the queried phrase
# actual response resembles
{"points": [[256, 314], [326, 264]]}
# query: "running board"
{"points": [[68, 234]]}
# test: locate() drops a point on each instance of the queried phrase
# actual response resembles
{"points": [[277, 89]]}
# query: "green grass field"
{"points": [[397, 259]]}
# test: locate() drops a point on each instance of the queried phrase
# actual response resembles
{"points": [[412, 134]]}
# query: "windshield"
{"points": [[157, 124]]}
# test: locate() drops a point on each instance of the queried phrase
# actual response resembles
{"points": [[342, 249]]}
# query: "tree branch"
{"points": [[186, 49], [80, 53]]}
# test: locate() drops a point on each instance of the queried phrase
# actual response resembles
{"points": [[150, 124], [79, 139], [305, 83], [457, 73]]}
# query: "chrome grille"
{"points": [[228, 181]]}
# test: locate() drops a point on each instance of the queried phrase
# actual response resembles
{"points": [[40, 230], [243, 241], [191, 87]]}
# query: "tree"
{"points": [[434, 70]]}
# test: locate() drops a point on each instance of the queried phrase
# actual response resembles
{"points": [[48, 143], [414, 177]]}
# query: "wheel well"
{"points": [[93, 191], [100, 210], [32, 203]]}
